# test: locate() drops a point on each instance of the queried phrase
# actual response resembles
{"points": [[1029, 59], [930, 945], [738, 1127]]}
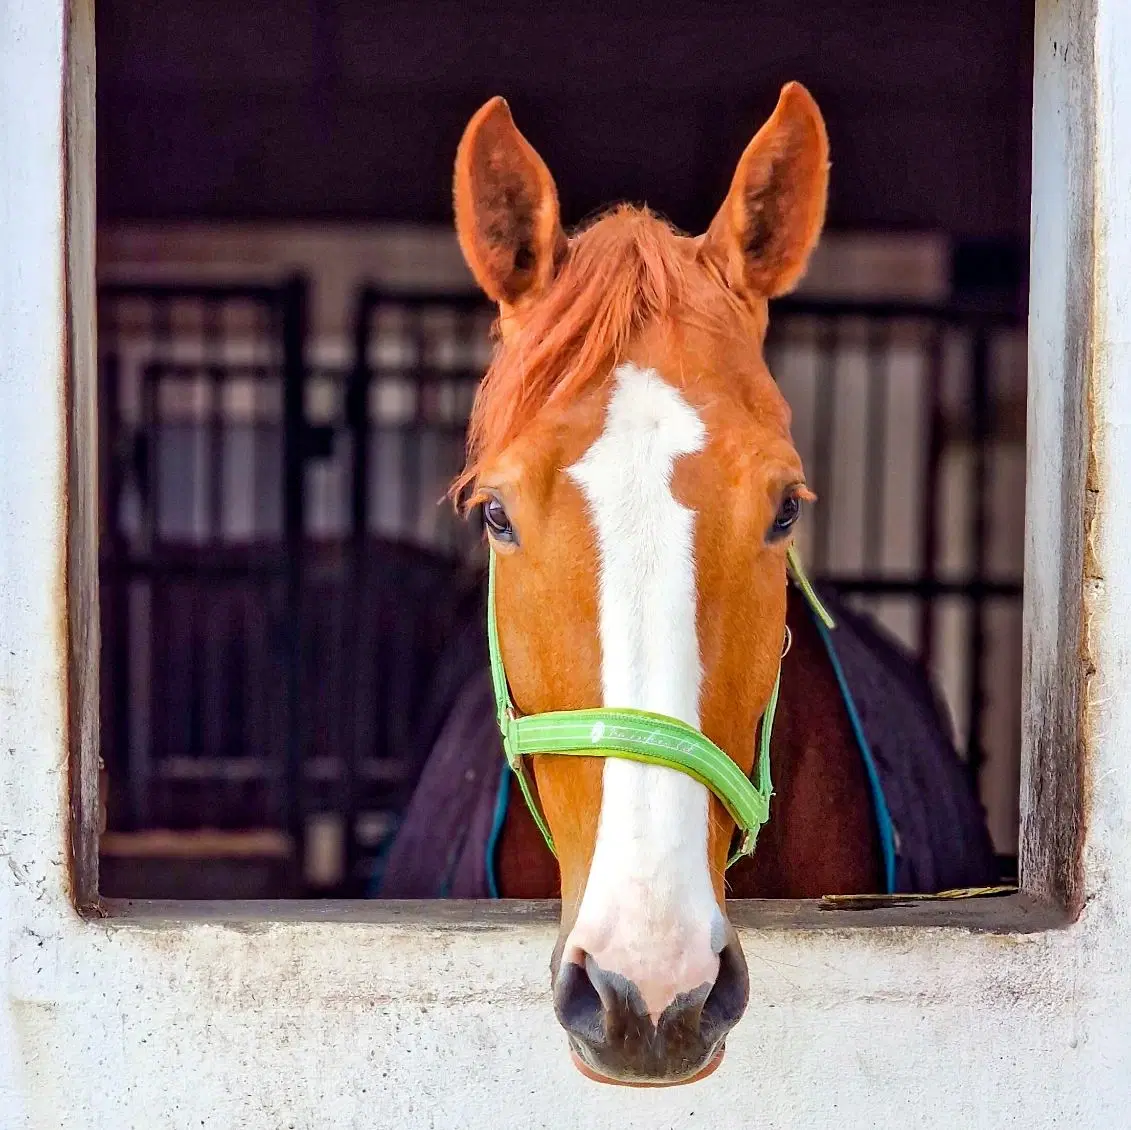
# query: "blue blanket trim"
{"points": [[884, 826], [502, 796]]}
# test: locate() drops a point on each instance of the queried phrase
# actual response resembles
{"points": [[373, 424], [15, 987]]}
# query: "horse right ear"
{"points": [[769, 223], [506, 205]]}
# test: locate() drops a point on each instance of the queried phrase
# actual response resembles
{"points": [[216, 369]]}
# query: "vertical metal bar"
{"points": [[247, 734], [413, 430], [254, 737], [232, 689], [197, 653], [827, 340], [357, 415], [358, 423], [160, 360], [980, 377], [258, 374], [875, 455], [142, 760], [467, 375], [211, 589], [471, 528], [114, 569], [211, 340], [111, 441], [931, 502], [151, 430], [294, 387], [294, 328]]}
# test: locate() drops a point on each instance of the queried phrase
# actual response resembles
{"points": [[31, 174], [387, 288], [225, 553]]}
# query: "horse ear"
{"points": [[772, 216], [506, 206]]}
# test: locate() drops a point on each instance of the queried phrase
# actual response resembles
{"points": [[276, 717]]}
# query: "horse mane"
{"points": [[624, 271]]}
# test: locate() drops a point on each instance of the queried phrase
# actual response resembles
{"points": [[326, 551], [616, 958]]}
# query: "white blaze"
{"points": [[649, 910]]}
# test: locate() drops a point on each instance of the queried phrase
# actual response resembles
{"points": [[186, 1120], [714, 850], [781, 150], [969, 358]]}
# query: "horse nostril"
{"points": [[578, 1003], [728, 997]]}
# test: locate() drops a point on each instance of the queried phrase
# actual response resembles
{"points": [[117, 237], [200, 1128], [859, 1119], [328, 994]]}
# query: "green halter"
{"points": [[639, 735]]}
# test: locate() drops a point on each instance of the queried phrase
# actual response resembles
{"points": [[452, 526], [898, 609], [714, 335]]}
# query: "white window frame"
{"points": [[366, 1014]]}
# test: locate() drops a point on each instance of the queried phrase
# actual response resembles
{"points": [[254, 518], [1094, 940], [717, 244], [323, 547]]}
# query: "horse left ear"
{"points": [[506, 207], [772, 216]]}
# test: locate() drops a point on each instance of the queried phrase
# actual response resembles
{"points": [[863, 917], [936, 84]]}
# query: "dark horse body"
{"points": [[823, 836]]}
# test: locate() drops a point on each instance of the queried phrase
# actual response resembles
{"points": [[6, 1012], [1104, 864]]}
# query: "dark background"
{"points": [[347, 110]]}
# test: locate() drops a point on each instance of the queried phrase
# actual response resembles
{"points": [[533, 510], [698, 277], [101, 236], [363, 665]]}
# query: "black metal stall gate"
{"points": [[278, 570]]}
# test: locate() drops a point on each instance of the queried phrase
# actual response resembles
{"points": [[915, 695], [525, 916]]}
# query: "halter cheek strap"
{"points": [[639, 735]]}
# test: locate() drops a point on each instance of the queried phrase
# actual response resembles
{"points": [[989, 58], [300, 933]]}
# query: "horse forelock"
{"points": [[626, 271]]}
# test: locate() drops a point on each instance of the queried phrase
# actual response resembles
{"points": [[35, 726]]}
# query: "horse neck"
{"points": [[822, 836]]}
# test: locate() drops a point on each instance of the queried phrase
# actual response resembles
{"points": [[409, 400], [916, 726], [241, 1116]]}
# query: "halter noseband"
{"points": [[639, 735]]}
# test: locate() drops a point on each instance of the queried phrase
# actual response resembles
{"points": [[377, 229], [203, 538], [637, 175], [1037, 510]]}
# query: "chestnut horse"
{"points": [[632, 457]]}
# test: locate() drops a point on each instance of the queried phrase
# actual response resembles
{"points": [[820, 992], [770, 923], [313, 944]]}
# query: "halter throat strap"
{"points": [[639, 735]]}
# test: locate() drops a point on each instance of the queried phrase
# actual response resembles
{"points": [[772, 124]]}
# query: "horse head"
{"points": [[632, 457]]}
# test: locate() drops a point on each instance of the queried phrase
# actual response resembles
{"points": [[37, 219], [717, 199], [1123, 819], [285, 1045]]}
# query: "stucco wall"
{"points": [[401, 1020]]}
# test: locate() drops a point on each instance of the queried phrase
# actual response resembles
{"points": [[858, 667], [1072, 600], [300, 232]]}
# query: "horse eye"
{"points": [[495, 515], [788, 513]]}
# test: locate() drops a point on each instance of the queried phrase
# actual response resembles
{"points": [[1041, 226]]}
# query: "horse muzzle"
{"points": [[614, 1039]]}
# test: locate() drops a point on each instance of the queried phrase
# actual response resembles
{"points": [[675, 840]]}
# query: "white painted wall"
{"points": [[413, 1021]]}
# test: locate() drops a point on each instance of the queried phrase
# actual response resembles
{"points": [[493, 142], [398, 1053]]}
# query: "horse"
{"points": [[631, 457]]}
